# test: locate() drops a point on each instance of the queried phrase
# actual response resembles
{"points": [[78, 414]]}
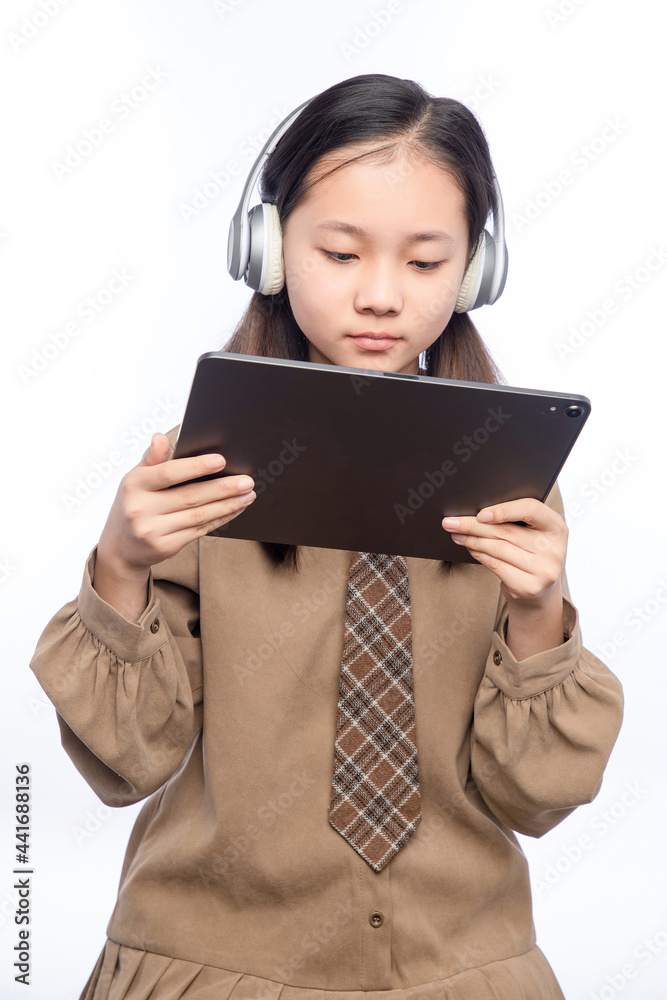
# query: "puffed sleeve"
{"points": [[543, 727], [128, 695]]}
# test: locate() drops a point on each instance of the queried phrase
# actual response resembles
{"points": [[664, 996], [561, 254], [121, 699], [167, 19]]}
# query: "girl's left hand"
{"points": [[528, 560]]}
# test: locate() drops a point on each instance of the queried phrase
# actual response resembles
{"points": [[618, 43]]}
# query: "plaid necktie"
{"points": [[375, 802]]}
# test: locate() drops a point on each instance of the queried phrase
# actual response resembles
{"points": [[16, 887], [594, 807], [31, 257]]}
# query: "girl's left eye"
{"points": [[427, 265]]}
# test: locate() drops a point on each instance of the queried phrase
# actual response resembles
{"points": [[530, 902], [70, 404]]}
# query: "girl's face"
{"points": [[375, 249]]}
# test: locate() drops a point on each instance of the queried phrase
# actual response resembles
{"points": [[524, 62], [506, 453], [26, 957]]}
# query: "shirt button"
{"points": [[376, 919], [497, 657], [155, 624]]}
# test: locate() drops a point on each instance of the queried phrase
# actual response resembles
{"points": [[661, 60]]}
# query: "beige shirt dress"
{"points": [[219, 708]]}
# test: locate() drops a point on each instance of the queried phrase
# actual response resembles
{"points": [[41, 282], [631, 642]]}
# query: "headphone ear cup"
{"points": [[273, 270], [472, 278], [265, 271]]}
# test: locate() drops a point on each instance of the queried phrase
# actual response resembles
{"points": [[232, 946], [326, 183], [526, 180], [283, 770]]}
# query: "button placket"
{"points": [[377, 921]]}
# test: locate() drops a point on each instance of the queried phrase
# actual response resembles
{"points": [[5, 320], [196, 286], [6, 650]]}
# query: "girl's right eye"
{"points": [[342, 257]]}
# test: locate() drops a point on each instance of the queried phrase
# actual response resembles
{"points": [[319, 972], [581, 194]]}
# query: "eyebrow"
{"points": [[335, 226]]}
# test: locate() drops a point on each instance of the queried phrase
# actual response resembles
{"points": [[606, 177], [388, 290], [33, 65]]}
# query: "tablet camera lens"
{"points": [[573, 411]]}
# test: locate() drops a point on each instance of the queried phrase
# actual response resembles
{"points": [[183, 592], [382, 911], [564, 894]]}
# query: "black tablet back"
{"points": [[354, 459]]}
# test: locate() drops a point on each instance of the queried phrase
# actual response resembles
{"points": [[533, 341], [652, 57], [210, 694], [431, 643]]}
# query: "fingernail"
{"points": [[451, 522], [245, 484], [485, 515]]}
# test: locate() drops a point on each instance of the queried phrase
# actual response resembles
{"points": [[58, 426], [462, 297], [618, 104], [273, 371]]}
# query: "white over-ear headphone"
{"points": [[254, 248]]}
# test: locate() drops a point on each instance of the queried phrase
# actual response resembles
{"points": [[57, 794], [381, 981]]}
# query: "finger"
{"points": [[200, 520], [192, 495], [533, 512], [167, 473], [502, 552], [158, 450], [516, 581], [524, 538]]}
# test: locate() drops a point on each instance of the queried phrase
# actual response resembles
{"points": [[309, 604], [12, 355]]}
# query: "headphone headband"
{"points": [[254, 246], [500, 273], [238, 244]]}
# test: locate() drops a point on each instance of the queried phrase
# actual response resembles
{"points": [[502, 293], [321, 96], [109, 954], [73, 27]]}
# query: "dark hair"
{"points": [[404, 118]]}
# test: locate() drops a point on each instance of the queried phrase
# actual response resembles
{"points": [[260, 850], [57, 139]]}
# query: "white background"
{"points": [[546, 85]]}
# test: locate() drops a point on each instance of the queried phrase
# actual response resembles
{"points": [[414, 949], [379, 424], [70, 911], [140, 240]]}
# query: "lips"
{"points": [[374, 341], [380, 335]]}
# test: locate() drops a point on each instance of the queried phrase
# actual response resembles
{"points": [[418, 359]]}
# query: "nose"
{"points": [[378, 288]]}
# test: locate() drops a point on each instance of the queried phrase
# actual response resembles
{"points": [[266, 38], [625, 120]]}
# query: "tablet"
{"points": [[349, 458]]}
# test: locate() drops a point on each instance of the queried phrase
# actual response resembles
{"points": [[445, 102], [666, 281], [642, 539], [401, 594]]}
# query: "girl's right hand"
{"points": [[149, 522]]}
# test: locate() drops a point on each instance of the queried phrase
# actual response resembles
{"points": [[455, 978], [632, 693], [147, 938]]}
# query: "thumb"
{"points": [[158, 450]]}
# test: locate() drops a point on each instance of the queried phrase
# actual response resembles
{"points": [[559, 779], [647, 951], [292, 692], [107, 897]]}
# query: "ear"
{"points": [[274, 274]]}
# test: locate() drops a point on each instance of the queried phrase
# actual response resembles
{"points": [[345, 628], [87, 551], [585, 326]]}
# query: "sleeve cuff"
{"points": [[129, 641], [538, 673]]}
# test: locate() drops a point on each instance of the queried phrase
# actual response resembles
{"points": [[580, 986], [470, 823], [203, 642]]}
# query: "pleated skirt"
{"points": [[124, 973]]}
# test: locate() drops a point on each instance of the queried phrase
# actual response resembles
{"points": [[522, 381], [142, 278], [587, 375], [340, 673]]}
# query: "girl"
{"points": [[239, 880]]}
